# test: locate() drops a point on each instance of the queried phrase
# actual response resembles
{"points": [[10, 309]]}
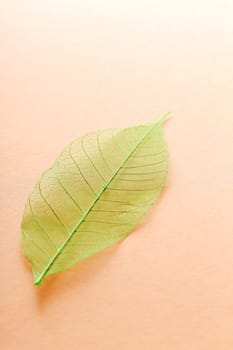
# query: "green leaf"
{"points": [[93, 196]]}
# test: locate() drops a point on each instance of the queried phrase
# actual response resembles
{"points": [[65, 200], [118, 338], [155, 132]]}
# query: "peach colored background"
{"points": [[68, 67]]}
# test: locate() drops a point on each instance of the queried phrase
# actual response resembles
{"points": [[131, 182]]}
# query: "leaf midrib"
{"points": [[39, 279]]}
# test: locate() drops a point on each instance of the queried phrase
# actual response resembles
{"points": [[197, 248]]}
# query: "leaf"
{"points": [[93, 196]]}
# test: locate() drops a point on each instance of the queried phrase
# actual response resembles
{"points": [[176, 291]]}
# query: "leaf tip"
{"points": [[163, 118], [159, 121]]}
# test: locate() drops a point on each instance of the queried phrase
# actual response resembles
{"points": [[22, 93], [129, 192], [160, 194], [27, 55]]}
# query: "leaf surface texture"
{"points": [[93, 196]]}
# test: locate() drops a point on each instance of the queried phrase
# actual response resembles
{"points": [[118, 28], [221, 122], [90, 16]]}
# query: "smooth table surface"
{"points": [[69, 67]]}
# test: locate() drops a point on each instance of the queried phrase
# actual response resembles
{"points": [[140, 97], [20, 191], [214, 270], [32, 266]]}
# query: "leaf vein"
{"points": [[91, 161], [69, 195], [80, 171], [52, 210]]}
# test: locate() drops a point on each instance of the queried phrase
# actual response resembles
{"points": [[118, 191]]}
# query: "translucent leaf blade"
{"points": [[93, 196]]}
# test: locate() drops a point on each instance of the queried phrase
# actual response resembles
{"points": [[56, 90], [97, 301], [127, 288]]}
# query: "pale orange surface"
{"points": [[68, 67]]}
